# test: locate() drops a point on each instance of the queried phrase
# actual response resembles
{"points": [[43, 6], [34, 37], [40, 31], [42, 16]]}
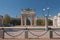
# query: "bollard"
{"points": [[51, 34], [3, 33], [26, 33]]}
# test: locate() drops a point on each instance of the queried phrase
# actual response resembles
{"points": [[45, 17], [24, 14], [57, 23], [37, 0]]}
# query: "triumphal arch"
{"points": [[28, 14]]}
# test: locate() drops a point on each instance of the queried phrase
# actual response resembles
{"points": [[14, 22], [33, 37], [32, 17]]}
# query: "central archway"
{"points": [[28, 21], [28, 14]]}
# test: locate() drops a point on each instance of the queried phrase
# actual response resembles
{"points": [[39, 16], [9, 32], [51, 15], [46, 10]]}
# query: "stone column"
{"points": [[25, 21], [53, 21], [31, 20], [21, 21], [34, 21], [58, 21]]}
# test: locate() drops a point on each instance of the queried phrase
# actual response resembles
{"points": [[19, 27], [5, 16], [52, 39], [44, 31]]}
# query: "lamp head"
{"points": [[48, 8], [43, 9]]}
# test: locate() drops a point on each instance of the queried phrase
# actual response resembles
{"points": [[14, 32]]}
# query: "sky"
{"points": [[13, 7]]}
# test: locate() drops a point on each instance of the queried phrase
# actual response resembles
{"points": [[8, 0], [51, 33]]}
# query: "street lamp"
{"points": [[48, 8], [46, 18]]}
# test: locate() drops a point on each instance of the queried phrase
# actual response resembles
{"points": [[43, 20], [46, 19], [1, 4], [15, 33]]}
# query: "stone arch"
{"points": [[26, 14]]}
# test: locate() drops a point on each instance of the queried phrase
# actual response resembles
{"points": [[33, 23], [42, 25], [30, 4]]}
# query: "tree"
{"points": [[15, 22], [50, 22], [41, 22], [6, 19]]}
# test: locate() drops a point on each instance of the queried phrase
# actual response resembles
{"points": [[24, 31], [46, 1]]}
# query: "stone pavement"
{"points": [[31, 39]]}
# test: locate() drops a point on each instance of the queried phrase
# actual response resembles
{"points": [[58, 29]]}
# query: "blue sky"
{"points": [[13, 7]]}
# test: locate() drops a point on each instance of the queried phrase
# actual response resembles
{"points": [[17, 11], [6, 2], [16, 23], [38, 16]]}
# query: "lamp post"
{"points": [[46, 22], [46, 18]]}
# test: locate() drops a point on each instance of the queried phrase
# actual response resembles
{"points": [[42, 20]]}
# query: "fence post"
{"points": [[3, 33], [26, 33], [51, 34]]}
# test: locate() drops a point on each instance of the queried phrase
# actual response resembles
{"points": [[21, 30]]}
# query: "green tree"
{"points": [[6, 20], [15, 22], [50, 22], [41, 22]]}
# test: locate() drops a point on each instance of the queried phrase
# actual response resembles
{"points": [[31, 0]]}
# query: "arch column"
{"points": [[21, 21], [34, 21], [31, 21], [25, 21]]}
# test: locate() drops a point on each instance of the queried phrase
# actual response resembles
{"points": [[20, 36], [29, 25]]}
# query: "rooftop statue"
{"points": [[28, 9]]}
